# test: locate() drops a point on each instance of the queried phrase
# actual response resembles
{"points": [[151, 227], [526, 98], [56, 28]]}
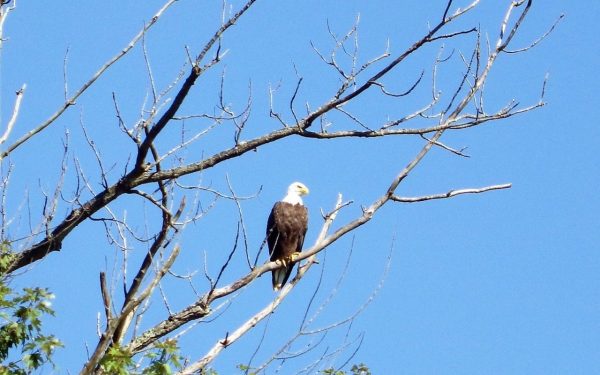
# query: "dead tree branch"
{"points": [[449, 194], [15, 114], [71, 101]]}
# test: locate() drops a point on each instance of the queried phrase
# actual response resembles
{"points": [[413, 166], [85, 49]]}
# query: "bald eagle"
{"points": [[286, 228]]}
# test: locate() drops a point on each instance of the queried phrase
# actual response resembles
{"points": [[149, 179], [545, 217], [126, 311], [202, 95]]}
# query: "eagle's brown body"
{"points": [[286, 229]]}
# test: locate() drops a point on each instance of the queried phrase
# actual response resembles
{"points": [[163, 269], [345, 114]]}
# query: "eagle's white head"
{"points": [[295, 192]]}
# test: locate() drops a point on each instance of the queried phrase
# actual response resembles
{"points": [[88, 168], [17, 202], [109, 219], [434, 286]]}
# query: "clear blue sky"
{"points": [[506, 282]]}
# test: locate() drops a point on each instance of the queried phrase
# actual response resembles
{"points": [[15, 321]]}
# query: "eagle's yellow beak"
{"points": [[298, 188]]}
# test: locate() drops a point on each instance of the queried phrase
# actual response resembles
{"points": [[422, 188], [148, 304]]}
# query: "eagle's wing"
{"points": [[303, 217], [273, 234]]}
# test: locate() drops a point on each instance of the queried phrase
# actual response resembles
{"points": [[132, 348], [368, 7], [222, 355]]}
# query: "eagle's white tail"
{"points": [[278, 278]]}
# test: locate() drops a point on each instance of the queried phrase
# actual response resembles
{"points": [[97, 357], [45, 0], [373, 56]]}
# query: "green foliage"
{"points": [[117, 361], [360, 369], [246, 369], [7, 257], [21, 327], [165, 355], [208, 372], [162, 359]]}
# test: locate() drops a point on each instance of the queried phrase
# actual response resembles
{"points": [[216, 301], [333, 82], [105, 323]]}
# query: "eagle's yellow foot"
{"points": [[294, 256]]}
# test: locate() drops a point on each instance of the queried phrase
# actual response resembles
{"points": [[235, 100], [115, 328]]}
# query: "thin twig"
{"points": [[450, 194]]}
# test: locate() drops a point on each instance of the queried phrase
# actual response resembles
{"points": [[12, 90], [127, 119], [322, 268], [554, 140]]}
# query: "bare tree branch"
{"points": [[450, 194], [4, 12], [69, 102], [15, 114]]}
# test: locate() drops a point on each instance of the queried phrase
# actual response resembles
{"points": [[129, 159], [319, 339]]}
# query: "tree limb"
{"points": [[449, 194]]}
